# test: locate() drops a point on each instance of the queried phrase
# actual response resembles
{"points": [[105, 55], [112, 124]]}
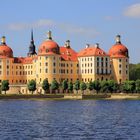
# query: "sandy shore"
{"points": [[124, 96]]}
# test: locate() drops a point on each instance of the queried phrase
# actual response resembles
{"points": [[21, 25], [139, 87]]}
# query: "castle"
{"points": [[62, 62]]}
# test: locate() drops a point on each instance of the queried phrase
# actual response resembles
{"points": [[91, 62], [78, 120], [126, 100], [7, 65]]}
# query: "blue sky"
{"points": [[80, 21]]}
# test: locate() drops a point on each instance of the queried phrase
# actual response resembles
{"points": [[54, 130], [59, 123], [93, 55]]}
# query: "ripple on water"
{"points": [[69, 120]]}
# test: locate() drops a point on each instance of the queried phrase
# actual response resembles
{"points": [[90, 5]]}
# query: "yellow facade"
{"points": [[101, 66]]}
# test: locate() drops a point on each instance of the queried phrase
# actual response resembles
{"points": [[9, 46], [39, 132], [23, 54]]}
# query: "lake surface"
{"points": [[69, 120]]}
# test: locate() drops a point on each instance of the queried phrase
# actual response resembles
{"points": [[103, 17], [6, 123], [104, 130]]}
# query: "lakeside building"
{"points": [[62, 62]]}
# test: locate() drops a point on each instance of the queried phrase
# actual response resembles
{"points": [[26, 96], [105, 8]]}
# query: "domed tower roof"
{"points": [[118, 50], [48, 46], [5, 51]]}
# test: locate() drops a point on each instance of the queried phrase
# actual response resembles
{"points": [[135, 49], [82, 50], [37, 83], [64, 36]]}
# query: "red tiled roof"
{"points": [[48, 46], [118, 50], [24, 60], [92, 51], [68, 54], [5, 51]]}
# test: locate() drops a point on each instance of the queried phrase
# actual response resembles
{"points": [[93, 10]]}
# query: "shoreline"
{"points": [[72, 96]]}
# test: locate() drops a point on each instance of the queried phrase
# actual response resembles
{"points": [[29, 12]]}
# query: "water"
{"points": [[69, 120]]}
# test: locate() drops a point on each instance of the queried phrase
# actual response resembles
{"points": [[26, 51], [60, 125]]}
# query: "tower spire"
{"points": [[32, 37], [32, 46]]}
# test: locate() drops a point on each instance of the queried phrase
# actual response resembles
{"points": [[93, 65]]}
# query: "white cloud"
{"points": [[133, 11], [68, 28], [80, 30], [36, 24]]}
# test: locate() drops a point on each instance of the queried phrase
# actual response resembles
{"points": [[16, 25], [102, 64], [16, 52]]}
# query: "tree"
{"points": [[137, 83], [5, 85], [64, 85], [70, 86], [54, 85], [32, 86], [77, 85], [134, 71], [83, 87], [104, 86], [96, 86], [45, 85], [90, 86], [112, 86], [128, 86]]}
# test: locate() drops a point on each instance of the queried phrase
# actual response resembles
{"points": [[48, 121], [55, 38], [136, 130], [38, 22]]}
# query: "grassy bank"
{"points": [[30, 96], [71, 96]]}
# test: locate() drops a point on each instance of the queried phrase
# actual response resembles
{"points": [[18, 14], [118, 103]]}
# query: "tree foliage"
{"points": [[32, 86], [96, 85], [65, 85], [5, 85], [112, 86], [70, 86], [77, 85], [83, 86], [54, 85], [90, 85], [137, 84], [45, 85], [134, 71], [128, 86]]}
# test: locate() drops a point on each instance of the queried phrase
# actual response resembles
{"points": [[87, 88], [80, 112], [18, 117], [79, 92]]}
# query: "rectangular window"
{"points": [[97, 71], [106, 64], [106, 71], [54, 71], [102, 71], [7, 72], [46, 63], [102, 64], [120, 65], [120, 71], [97, 64]]}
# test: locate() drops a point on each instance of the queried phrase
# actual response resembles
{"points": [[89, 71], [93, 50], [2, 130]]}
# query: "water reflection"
{"points": [[76, 120]]}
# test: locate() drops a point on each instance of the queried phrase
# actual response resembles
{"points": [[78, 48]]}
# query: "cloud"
{"points": [[37, 24], [68, 28], [133, 11], [79, 30]]}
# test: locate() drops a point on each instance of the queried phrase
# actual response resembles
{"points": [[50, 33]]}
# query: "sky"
{"points": [[81, 21]]}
